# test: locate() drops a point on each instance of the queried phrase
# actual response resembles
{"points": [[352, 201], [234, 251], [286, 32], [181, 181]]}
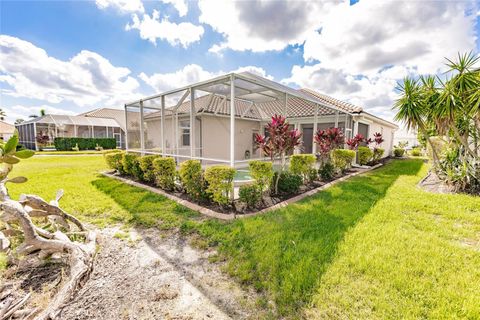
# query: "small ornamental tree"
{"points": [[377, 137], [42, 139], [327, 140], [354, 142], [377, 151], [279, 142]]}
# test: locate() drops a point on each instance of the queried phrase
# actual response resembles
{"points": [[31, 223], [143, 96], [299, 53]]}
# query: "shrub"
{"points": [[326, 171], [288, 182], [416, 152], [249, 194], [327, 140], [301, 164], [146, 165], [131, 165], [114, 161], [342, 158], [262, 173], [398, 152], [364, 155], [67, 144], [312, 175], [377, 154], [191, 177], [220, 183], [164, 171]]}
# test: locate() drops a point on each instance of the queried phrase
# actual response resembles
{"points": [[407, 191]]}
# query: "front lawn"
{"points": [[374, 246]]}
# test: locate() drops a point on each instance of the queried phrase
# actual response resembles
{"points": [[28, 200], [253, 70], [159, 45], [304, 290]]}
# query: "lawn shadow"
{"points": [[144, 207], [287, 251]]}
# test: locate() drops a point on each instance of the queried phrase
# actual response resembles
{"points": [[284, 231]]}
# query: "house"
{"points": [[6, 130], [98, 123], [198, 125]]}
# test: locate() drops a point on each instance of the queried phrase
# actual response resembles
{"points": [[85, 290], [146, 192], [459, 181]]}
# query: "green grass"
{"points": [[70, 153], [92, 197], [374, 246]]}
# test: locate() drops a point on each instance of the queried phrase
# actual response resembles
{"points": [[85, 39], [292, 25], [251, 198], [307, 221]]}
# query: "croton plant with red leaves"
{"points": [[327, 140], [281, 140], [377, 137], [354, 142]]}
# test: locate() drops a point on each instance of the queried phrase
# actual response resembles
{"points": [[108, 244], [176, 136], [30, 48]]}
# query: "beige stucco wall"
{"points": [[154, 136], [216, 137], [212, 133]]}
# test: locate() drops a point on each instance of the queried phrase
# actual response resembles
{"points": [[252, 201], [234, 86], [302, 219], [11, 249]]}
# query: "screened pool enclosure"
{"points": [[215, 121], [51, 126]]}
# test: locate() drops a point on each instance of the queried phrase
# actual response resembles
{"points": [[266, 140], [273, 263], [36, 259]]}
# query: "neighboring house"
{"points": [[86, 125], [408, 136], [256, 100], [6, 130]]}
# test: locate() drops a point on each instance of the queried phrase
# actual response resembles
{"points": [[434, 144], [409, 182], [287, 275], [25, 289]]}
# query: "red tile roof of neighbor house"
{"points": [[116, 114], [6, 128]]}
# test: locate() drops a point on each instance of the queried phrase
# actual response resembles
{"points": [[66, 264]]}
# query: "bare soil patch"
{"points": [[154, 275], [432, 183]]}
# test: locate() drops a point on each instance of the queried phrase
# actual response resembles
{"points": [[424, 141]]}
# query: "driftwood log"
{"points": [[17, 217]]}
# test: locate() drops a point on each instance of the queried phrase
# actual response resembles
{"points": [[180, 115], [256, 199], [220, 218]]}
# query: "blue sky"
{"points": [[73, 56]]}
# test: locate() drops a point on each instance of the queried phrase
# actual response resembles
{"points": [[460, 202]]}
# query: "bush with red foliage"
{"points": [[327, 140], [354, 142]]}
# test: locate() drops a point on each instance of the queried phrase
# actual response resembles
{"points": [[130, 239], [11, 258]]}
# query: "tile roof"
{"points": [[116, 114], [6, 128], [297, 107], [342, 105]]}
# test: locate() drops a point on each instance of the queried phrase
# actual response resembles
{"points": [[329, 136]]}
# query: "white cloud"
{"points": [[262, 25], [370, 35], [180, 5], [87, 79], [124, 6], [375, 92], [152, 28], [191, 74], [23, 112]]}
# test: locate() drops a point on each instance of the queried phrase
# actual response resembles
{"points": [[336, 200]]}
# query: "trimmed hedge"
{"points": [[249, 194], [342, 158], [326, 171], [146, 165], [302, 164], [114, 161], [164, 172], [377, 154], [364, 155], [289, 183], [66, 144], [416, 152], [220, 183], [398, 152], [262, 173], [191, 177], [131, 165]]}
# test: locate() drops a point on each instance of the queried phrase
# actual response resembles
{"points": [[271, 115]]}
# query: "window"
{"points": [[185, 133]]}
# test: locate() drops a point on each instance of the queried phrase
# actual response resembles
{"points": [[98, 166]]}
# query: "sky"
{"points": [[68, 57]]}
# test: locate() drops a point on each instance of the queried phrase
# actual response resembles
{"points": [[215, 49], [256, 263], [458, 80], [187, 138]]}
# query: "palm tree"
{"points": [[18, 121], [412, 107], [455, 104], [2, 114]]}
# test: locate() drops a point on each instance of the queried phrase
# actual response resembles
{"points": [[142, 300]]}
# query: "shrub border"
{"points": [[222, 216]]}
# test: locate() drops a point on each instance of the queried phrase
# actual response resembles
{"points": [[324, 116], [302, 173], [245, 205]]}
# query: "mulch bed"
{"points": [[232, 212]]}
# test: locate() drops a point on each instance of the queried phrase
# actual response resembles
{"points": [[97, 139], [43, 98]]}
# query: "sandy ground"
{"points": [[432, 183], [150, 276]]}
